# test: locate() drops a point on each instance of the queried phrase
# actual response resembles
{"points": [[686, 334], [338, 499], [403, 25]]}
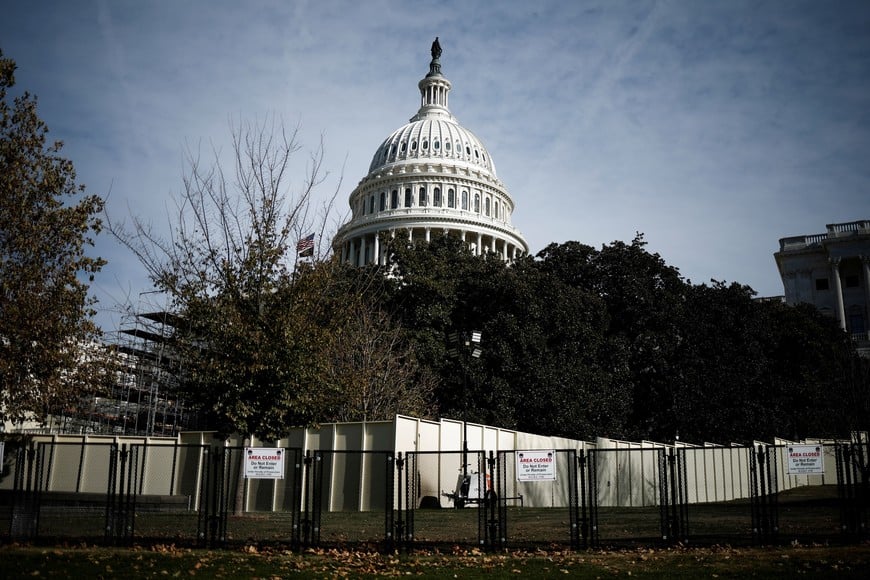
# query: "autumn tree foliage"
{"points": [[47, 355]]}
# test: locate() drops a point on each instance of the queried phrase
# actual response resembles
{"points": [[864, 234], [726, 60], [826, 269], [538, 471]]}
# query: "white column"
{"points": [[479, 249], [352, 257], [838, 289], [504, 250], [344, 252], [376, 258], [428, 234], [362, 251], [493, 245]]}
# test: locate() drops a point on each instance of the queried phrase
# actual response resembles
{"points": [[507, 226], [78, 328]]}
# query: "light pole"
{"points": [[465, 345]]}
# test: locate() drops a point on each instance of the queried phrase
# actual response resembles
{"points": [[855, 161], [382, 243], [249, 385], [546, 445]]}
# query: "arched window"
{"points": [[497, 210], [464, 200], [383, 204], [404, 146], [447, 145], [486, 206], [451, 198], [436, 145], [425, 145], [414, 145], [476, 203], [436, 197], [394, 199], [421, 199], [372, 204], [407, 197]]}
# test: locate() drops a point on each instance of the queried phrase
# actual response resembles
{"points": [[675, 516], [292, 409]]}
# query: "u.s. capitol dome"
{"points": [[431, 176]]}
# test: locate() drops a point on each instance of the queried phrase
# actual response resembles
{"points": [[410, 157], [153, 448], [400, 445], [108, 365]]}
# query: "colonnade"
{"points": [[366, 249]]}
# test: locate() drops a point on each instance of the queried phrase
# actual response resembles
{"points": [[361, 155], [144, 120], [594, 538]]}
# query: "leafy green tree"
{"points": [[47, 353], [644, 300]]}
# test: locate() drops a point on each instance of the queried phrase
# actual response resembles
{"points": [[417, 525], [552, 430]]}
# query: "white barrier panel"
{"points": [[627, 472]]}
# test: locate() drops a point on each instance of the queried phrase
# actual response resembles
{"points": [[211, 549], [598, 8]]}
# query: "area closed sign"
{"points": [[805, 459], [264, 463], [536, 465]]}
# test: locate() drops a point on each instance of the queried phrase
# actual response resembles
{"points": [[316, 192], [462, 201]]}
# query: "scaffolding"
{"points": [[143, 399]]}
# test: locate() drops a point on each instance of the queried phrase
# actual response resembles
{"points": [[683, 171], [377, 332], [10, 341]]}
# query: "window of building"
{"points": [[436, 145], [852, 280], [372, 204], [477, 203], [436, 197], [497, 208], [486, 206], [408, 197], [394, 199], [856, 324], [447, 145], [421, 199], [404, 146], [414, 145], [465, 200], [383, 204], [451, 198], [821, 283], [425, 145]]}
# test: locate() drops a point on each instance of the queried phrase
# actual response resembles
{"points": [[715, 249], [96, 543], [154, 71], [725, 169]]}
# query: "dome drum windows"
{"points": [[476, 203], [408, 197], [451, 198], [394, 199], [421, 199], [383, 201], [436, 197], [464, 200]]}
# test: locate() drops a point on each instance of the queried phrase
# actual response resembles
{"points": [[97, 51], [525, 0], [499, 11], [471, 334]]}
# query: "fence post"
{"points": [[490, 502]]}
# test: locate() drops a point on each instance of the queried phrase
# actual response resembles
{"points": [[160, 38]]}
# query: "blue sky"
{"points": [[713, 127]]}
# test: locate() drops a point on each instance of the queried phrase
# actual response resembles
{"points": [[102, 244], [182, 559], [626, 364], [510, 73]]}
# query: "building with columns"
{"points": [[832, 272], [431, 176]]}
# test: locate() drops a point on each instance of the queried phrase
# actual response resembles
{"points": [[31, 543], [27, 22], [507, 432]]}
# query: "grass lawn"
{"points": [[167, 561]]}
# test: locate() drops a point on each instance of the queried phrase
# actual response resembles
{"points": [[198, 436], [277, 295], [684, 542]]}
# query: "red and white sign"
{"points": [[536, 465], [806, 459], [264, 463]]}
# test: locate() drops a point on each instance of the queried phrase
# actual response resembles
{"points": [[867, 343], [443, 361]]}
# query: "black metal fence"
{"points": [[198, 495]]}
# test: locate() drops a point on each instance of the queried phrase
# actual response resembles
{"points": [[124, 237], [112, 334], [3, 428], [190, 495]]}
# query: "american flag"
{"points": [[305, 246]]}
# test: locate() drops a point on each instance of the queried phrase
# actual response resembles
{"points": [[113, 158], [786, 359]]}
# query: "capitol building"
{"points": [[430, 177]]}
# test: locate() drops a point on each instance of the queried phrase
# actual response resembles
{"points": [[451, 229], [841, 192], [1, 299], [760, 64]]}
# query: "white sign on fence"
{"points": [[264, 463], [536, 465], [806, 459]]}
